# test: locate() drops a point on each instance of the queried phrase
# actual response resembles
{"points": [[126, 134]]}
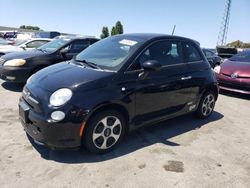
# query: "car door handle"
{"points": [[186, 78]]}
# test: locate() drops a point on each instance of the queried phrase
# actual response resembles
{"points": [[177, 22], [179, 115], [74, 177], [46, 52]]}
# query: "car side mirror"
{"points": [[23, 47], [64, 52], [151, 65]]}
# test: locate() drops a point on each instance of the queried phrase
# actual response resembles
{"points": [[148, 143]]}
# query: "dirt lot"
{"points": [[183, 152]]}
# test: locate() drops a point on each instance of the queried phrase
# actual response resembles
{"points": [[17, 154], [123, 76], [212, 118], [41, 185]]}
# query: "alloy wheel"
{"points": [[208, 105], [107, 132]]}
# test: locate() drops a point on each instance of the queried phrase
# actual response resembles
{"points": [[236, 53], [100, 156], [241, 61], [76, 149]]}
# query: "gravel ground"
{"points": [[182, 152]]}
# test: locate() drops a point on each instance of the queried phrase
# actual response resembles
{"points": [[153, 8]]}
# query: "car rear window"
{"points": [[191, 53]]}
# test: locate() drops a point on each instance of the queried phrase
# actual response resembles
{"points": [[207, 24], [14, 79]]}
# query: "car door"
{"points": [[76, 47], [164, 92], [197, 69]]}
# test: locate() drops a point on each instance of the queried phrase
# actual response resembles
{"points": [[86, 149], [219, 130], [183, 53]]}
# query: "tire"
{"points": [[206, 105], [104, 131]]}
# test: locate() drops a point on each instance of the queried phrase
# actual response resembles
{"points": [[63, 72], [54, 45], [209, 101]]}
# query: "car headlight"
{"points": [[60, 97], [15, 62], [217, 69]]}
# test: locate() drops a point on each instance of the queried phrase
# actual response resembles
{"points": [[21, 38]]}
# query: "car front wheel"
{"points": [[104, 131]]}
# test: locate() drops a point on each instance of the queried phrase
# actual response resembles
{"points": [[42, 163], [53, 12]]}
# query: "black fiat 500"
{"points": [[116, 85]]}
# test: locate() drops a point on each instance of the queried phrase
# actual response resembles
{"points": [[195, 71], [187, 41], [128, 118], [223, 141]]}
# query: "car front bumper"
{"points": [[15, 74], [239, 85], [65, 134]]}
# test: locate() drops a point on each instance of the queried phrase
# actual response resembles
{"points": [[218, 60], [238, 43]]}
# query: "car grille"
{"points": [[238, 76], [31, 100], [234, 86]]}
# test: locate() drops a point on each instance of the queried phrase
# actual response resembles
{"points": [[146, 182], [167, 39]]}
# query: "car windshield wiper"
{"points": [[90, 64]]}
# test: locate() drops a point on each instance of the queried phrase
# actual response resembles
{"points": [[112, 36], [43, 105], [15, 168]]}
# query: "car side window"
{"points": [[78, 46], [191, 53], [208, 53], [35, 44], [166, 52]]}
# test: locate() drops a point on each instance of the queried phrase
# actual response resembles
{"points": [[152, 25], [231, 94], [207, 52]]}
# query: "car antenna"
{"points": [[173, 30]]}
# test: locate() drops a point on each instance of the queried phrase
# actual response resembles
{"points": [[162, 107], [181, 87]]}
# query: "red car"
{"points": [[234, 73]]}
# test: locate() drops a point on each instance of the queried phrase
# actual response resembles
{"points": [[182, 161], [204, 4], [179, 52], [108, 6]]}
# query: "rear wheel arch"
{"points": [[213, 88]]}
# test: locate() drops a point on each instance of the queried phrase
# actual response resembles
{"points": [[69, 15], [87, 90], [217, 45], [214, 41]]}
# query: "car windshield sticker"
{"points": [[128, 42]]}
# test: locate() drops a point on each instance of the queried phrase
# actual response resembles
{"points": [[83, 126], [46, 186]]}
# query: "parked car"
{"points": [[234, 73], [226, 52], [19, 66], [47, 34], [20, 46], [10, 35], [212, 57], [116, 85], [5, 42]]}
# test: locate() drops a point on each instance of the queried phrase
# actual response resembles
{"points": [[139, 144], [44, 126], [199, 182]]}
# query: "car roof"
{"points": [[48, 39], [75, 37], [41, 39], [149, 36]]}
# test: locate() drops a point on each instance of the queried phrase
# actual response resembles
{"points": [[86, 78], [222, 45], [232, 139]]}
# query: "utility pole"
{"points": [[222, 38]]}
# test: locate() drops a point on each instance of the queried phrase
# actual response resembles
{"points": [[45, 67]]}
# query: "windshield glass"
{"points": [[242, 57], [111, 52], [53, 45]]}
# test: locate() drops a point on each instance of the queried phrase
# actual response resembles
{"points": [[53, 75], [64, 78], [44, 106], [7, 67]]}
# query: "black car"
{"points": [[47, 34], [19, 66], [212, 58], [116, 85]]}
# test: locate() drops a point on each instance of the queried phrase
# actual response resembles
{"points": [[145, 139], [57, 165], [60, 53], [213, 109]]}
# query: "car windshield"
{"points": [[242, 57], [19, 42], [111, 52], [53, 45]]}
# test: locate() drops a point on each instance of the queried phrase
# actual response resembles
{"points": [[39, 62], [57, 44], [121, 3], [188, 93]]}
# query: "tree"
{"points": [[113, 31], [22, 27], [105, 33], [116, 30], [238, 44], [119, 28], [28, 27]]}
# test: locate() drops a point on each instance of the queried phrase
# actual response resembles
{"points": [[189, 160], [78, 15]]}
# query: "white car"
{"points": [[24, 45]]}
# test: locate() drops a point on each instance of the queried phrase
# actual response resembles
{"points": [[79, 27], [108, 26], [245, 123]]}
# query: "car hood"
{"points": [[72, 76], [23, 55], [242, 69], [9, 48]]}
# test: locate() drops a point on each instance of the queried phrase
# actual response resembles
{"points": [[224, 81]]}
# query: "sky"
{"points": [[196, 19]]}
